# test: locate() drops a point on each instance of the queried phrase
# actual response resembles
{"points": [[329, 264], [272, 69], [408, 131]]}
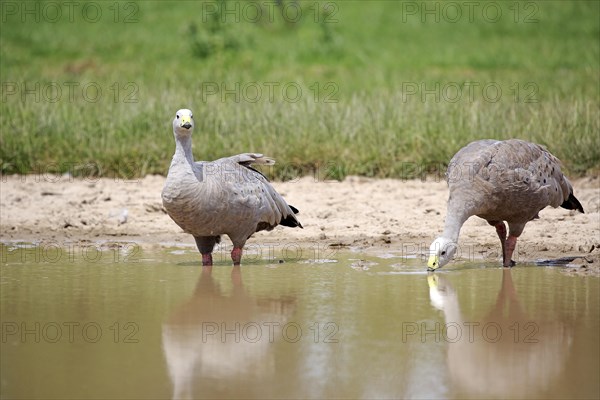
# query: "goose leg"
{"points": [[511, 243], [501, 231], [205, 245], [236, 255], [207, 259]]}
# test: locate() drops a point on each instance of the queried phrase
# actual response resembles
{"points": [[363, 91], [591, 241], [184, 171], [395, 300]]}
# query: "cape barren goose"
{"points": [[510, 180], [227, 196]]}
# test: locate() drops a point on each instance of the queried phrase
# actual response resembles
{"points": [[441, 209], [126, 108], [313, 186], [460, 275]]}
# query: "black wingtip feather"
{"points": [[291, 220], [572, 204]]}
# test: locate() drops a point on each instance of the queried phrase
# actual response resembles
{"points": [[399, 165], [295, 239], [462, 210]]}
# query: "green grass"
{"points": [[354, 115]]}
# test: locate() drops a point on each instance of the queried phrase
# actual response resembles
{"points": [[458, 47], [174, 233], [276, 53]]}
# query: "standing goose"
{"points": [[227, 196], [510, 180]]}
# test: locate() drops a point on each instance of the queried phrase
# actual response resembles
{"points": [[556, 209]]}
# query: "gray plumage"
{"points": [[226, 196], [499, 181]]}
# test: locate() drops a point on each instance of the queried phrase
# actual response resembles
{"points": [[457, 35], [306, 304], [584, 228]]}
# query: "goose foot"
{"points": [[236, 255], [207, 260], [509, 248]]}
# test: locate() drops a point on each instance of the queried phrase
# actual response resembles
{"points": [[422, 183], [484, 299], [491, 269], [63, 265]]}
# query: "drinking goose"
{"points": [[510, 180]]}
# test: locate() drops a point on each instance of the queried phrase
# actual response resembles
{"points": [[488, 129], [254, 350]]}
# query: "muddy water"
{"points": [[129, 323]]}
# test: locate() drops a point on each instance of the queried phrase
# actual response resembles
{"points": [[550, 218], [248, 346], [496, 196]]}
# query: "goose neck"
{"points": [[454, 222], [183, 149]]}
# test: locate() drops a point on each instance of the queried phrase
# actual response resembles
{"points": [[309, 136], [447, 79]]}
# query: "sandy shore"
{"points": [[400, 216]]}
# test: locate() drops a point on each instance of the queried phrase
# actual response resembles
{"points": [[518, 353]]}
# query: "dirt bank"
{"points": [[402, 216]]}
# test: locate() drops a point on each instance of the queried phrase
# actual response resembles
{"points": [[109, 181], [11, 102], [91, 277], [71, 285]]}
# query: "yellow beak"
{"points": [[433, 263], [185, 119]]}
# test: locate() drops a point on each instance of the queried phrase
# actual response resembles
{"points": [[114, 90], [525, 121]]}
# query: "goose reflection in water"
{"points": [[517, 357], [215, 343]]}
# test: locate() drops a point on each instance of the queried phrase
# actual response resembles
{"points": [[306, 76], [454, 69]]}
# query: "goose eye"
{"points": [[177, 116], [191, 116], [444, 252]]}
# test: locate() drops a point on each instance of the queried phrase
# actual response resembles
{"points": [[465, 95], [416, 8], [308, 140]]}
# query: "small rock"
{"points": [[123, 216], [362, 265], [339, 244]]}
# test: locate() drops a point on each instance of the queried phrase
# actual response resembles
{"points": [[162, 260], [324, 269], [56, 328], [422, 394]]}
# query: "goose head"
{"points": [[183, 123], [441, 252]]}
